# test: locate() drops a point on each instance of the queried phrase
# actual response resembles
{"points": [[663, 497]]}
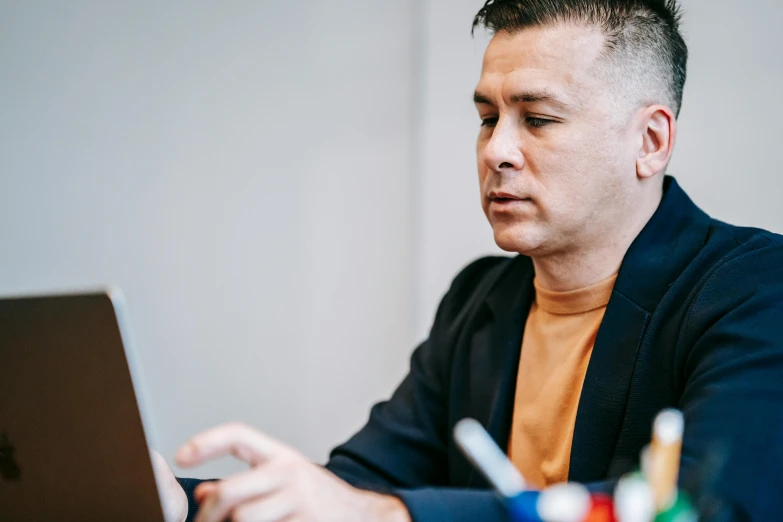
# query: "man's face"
{"points": [[556, 159]]}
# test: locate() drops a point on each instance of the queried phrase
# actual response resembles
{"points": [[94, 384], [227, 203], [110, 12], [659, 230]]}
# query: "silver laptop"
{"points": [[72, 442]]}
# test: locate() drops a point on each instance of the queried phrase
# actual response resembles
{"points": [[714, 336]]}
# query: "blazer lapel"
{"points": [[494, 355], [605, 390], [668, 242]]}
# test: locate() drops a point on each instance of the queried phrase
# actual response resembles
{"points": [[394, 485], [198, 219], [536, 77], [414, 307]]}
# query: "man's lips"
{"points": [[505, 198], [498, 194], [506, 203]]}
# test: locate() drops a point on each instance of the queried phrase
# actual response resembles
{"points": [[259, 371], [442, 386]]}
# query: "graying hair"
{"points": [[643, 40]]}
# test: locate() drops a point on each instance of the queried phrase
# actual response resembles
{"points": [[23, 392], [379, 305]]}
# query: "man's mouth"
{"points": [[503, 198]]}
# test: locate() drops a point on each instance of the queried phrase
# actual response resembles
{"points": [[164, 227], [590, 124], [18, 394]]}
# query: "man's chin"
{"points": [[517, 241]]}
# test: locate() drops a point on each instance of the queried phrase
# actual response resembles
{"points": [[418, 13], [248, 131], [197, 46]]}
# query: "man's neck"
{"points": [[566, 272], [593, 263]]}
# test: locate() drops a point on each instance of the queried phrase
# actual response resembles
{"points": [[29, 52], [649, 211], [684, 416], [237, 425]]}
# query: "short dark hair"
{"points": [[635, 30]]}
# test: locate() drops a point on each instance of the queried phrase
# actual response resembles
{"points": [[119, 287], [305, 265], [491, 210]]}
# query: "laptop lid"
{"points": [[72, 440]]}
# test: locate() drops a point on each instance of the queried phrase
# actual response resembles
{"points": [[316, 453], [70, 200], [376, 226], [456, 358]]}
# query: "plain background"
{"points": [[285, 189]]}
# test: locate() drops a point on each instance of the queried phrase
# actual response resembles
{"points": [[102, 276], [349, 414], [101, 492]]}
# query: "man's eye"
{"points": [[538, 122], [489, 122]]}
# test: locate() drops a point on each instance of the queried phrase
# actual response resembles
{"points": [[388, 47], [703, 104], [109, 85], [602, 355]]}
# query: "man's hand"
{"points": [[281, 484], [172, 497]]}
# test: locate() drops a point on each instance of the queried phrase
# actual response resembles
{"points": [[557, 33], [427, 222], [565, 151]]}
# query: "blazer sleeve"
{"points": [[189, 486], [402, 450], [732, 398]]}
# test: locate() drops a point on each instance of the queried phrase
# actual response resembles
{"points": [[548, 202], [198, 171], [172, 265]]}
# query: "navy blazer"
{"points": [[695, 321]]}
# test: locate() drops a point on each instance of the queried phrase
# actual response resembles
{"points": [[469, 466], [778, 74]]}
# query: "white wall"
{"points": [[727, 156], [242, 171]]}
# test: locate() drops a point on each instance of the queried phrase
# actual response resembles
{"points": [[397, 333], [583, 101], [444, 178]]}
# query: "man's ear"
{"points": [[659, 132]]}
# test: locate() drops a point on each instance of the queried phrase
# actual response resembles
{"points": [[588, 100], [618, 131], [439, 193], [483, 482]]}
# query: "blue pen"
{"points": [[562, 503]]}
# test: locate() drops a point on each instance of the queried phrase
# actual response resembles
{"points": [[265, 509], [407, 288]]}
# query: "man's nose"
{"points": [[503, 151]]}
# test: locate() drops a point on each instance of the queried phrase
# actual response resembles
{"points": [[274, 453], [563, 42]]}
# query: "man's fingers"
{"points": [[203, 490], [239, 440], [219, 499]]}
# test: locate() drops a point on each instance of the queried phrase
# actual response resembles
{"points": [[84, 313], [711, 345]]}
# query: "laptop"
{"points": [[73, 445]]}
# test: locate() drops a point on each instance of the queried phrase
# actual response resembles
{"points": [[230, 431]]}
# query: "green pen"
{"points": [[680, 511]]}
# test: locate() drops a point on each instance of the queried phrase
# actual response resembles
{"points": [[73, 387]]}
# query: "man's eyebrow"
{"points": [[528, 96], [544, 95], [479, 98]]}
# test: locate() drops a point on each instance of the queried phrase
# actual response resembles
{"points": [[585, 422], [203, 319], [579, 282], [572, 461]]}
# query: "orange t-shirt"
{"points": [[558, 341]]}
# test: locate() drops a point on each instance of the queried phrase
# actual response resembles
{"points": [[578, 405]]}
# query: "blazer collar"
{"points": [[670, 240]]}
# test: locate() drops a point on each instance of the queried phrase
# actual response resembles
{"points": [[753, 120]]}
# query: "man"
{"points": [[624, 299]]}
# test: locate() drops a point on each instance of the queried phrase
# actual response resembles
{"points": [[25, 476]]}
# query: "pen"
{"points": [[664, 457]]}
